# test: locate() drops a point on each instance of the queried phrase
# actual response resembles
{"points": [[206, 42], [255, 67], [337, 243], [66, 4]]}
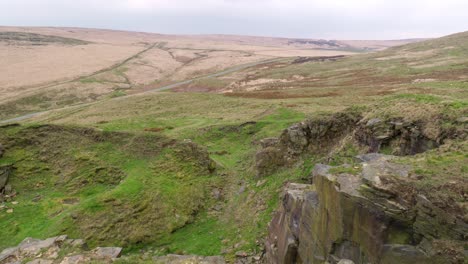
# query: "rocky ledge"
{"points": [[323, 135], [63, 250], [371, 216], [59, 249]]}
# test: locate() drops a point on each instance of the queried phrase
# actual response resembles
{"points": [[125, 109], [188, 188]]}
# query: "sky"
{"points": [[325, 19]]}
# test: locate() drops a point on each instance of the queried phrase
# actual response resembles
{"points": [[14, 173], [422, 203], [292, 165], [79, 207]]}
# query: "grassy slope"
{"points": [[219, 122], [230, 145], [83, 182]]}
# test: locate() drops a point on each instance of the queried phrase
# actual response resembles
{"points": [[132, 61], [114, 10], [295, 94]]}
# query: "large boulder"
{"points": [[32, 248], [380, 166], [107, 252]]}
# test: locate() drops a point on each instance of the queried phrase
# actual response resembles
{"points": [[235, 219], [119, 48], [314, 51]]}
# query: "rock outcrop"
{"points": [[59, 249], [324, 134], [315, 135], [63, 250], [371, 217], [404, 138]]}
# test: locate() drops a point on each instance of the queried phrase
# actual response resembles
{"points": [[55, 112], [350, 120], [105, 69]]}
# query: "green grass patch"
{"points": [[117, 93], [160, 191], [418, 98]]}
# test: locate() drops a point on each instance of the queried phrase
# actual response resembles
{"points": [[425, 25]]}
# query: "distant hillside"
{"points": [[57, 68], [24, 38], [425, 63], [354, 45]]}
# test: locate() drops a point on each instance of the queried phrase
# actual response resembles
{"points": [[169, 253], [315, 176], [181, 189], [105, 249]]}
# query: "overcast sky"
{"points": [[329, 19]]}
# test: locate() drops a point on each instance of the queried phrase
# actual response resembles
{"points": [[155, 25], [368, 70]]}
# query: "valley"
{"points": [[90, 65], [233, 149]]}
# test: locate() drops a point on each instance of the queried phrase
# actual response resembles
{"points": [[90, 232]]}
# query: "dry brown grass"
{"points": [[34, 65], [89, 70], [29, 67], [108, 62]]}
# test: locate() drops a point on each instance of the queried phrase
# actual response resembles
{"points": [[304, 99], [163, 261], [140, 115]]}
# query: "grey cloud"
{"points": [[333, 19]]}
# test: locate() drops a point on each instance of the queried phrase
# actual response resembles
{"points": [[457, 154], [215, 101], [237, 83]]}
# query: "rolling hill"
{"points": [[46, 68], [204, 168]]}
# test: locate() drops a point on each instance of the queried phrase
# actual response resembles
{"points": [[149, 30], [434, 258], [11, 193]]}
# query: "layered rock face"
{"points": [[368, 212], [403, 137], [363, 218]]}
